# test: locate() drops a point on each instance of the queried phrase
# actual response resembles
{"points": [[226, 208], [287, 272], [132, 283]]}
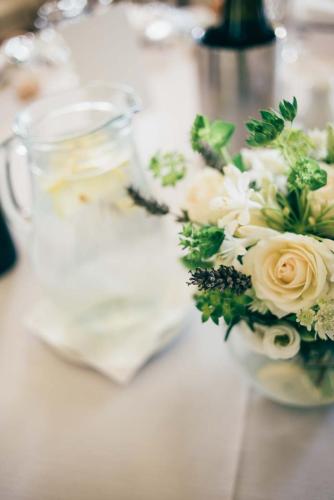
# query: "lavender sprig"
{"points": [[151, 205], [223, 278]]}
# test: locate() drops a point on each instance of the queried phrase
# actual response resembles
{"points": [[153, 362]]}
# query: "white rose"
{"points": [[206, 186], [324, 197], [290, 272], [281, 341]]}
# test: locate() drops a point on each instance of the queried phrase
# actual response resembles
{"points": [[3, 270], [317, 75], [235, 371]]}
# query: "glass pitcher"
{"points": [[90, 247]]}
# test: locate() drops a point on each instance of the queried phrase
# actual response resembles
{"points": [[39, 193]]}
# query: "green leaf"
{"points": [[307, 173], [330, 143], [193, 261], [201, 243], [215, 304], [272, 118], [305, 335], [262, 133], [288, 109], [239, 163], [210, 141], [230, 327], [220, 133], [169, 167], [214, 134], [274, 218]]}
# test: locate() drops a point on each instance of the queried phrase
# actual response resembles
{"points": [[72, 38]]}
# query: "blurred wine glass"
{"points": [[56, 11], [277, 11]]}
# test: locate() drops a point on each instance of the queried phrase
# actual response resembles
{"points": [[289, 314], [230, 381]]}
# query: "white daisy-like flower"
{"points": [[230, 250], [306, 317], [266, 164], [235, 202], [324, 325]]}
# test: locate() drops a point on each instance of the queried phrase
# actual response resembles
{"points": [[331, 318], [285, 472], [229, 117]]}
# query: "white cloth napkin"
{"points": [[96, 341]]}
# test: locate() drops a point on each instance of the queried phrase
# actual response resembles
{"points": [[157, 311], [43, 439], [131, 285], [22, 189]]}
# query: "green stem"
{"points": [[226, 155]]}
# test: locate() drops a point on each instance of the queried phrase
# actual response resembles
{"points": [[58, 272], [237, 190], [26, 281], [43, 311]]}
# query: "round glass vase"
{"points": [[294, 382]]}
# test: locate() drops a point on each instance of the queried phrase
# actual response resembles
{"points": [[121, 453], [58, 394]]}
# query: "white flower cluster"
{"points": [[292, 274], [320, 318]]}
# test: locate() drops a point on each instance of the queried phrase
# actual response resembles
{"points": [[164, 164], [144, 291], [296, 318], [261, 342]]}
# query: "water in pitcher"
{"points": [[92, 249]]}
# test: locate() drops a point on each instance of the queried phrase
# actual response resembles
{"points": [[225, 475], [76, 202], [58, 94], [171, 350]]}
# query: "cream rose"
{"points": [[206, 186], [281, 341], [290, 272]]}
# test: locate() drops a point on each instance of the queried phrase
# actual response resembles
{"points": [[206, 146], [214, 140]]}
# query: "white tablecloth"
{"points": [[187, 428]]}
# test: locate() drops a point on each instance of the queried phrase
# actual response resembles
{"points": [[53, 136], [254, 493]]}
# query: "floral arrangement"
{"points": [[258, 232]]}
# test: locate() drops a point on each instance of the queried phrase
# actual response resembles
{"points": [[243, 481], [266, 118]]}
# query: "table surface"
{"points": [[187, 428]]}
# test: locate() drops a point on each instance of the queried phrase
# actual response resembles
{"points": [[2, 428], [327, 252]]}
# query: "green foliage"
{"points": [[183, 217], [317, 359], [305, 335], [274, 217], [169, 167], [293, 213], [288, 109], [295, 216], [330, 143], [239, 162], [215, 304], [307, 174], [265, 131], [294, 145], [215, 134], [210, 139], [201, 243]]}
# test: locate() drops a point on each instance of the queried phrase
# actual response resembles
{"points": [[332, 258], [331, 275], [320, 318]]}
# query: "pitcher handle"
{"points": [[12, 205]]}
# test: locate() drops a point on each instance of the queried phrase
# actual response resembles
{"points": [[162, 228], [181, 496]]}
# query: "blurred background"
{"points": [[167, 52], [31, 37]]}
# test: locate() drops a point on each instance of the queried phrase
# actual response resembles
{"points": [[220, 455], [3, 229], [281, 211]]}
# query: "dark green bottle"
{"points": [[236, 65], [244, 24], [8, 255]]}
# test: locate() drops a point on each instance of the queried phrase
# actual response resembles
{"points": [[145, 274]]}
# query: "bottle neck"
{"points": [[239, 15], [244, 24]]}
